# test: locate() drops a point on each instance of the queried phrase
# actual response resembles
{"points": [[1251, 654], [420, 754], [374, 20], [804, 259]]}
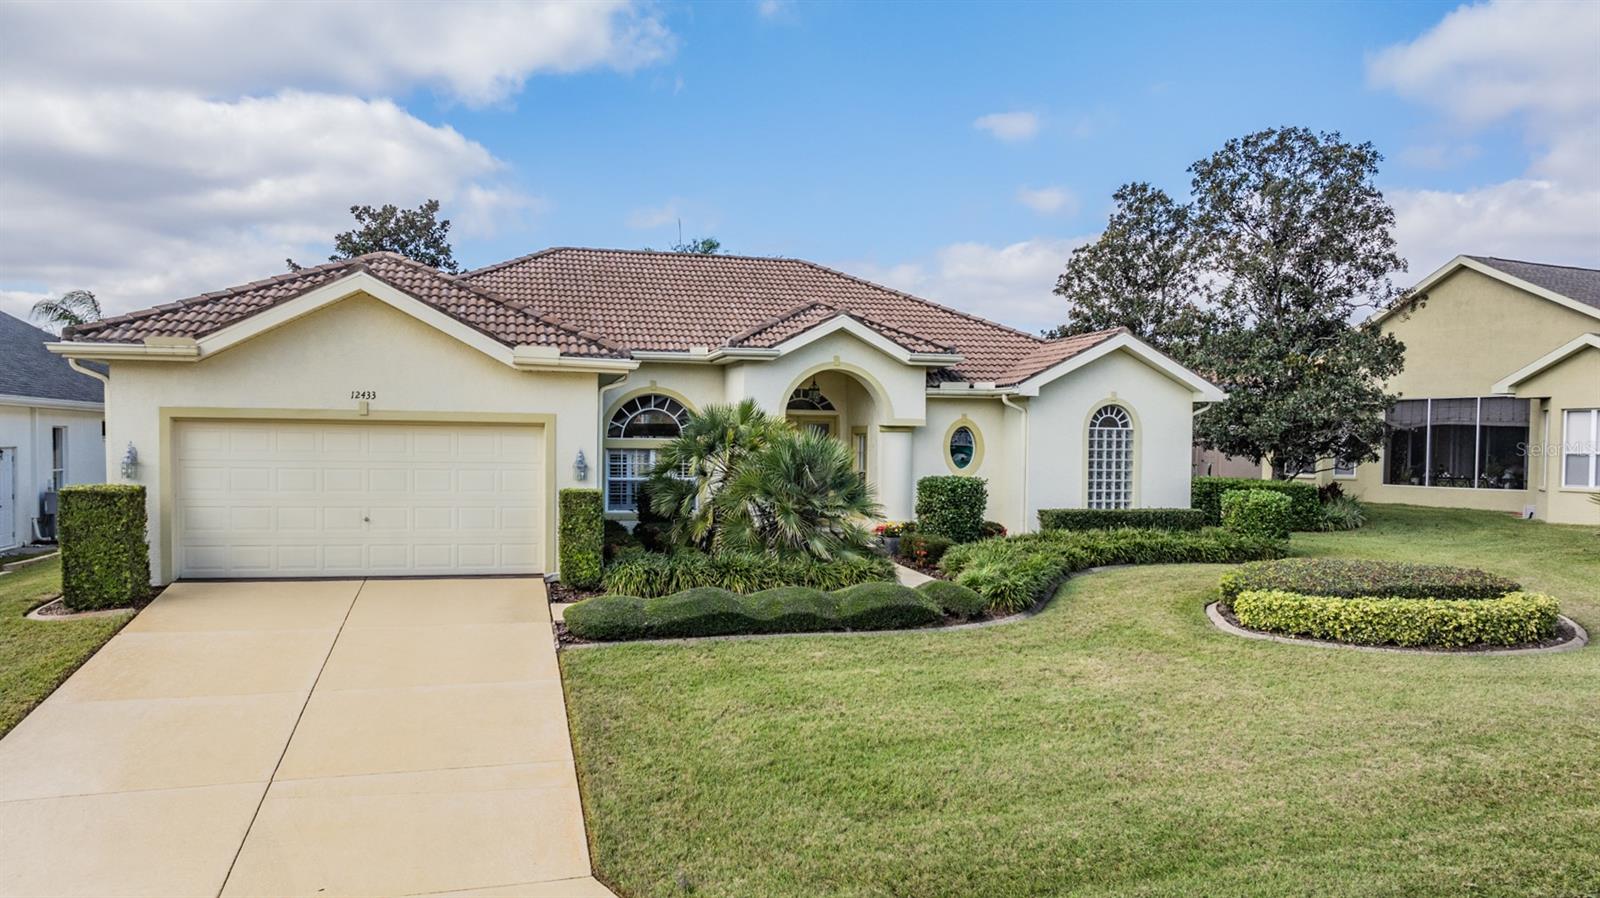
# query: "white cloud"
{"points": [[648, 217], [476, 52], [148, 196], [1438, 156], [774, 10], [1009, 126], [1048, 200], [1010, 284], [1532, 64]]}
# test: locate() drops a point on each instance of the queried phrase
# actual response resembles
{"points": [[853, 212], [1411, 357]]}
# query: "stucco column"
{"points": [[896, 492]]}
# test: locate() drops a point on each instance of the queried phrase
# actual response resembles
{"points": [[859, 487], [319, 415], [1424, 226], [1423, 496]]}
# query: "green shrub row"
{"points": [[653, 574], [1115, 518], [1017, 572], [1511, 619], [1205, 493], [582, 538], [708, 611], [924, 548], [105, 559], [1353, 578], [952, 506], [1260, 513]]}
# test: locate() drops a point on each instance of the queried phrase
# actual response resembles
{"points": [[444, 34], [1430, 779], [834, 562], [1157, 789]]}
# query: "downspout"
{"points": [[1005, 399], [73, 364]]}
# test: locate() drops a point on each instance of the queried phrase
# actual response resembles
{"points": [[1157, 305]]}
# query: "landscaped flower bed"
{"points": [[652, 574], [708, 611], [1384, 603]]}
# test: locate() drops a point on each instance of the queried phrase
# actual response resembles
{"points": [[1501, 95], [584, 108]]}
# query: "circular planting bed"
{"points": [[1375, 604]]}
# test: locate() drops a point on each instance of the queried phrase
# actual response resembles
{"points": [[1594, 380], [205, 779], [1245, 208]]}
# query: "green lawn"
{"points": [[1115, 745], [35, 656]]}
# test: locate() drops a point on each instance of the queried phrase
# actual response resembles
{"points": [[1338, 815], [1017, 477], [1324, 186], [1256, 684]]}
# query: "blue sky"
{"points": [[201, 146]]}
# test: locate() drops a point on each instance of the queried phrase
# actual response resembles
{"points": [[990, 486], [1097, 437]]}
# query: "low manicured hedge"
{"points": [[582, 538], [707, 611], [1257, 513], [655, 574], [955, 599], [1017, 572], [1116, 518], [105, 559], [1352, 578], [952, 506], [1205, 493], [1511, 619]]}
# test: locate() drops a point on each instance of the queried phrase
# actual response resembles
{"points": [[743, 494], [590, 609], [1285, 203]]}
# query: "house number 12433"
{"points": [[363, 394]]}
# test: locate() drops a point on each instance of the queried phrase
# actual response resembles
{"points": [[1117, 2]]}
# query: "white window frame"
{"points": [[1343, 470], [1109, 460], [1570, 440], [635, 456], [58, 458]]}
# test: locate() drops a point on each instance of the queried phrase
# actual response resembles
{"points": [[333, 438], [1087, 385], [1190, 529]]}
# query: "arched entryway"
{"points": [[849, 407]]}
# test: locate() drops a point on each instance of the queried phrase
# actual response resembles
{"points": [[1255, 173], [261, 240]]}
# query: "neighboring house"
{"points": [[1500, 397], [52, 429], [377, 416]]}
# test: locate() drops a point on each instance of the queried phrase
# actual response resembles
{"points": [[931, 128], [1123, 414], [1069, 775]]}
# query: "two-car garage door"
{"points": [[305, 499]]}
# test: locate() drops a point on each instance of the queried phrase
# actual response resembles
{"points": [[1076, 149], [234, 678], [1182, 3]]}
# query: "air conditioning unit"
{"points": [[44, 527]]}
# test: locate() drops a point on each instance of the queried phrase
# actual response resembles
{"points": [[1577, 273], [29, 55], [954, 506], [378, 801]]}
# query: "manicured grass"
{"points": [[1115, 745], [35, 656]]}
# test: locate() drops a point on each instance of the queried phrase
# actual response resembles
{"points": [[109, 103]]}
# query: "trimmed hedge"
{"points": [[1512, 619], [1353, 578], [653, 574], [105, 559], [955, 599], [952, 506], [1205, 493], [582, 533], [1017, 572], [618, 540], [1115, 518], [1256, 513], [924, 548], [717, 612]]}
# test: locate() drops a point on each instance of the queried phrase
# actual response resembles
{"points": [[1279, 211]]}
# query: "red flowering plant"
{"points": [[892, 528]]}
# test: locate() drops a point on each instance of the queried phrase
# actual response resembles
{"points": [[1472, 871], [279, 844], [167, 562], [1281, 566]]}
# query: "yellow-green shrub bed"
{"points": [[1517, 618]]}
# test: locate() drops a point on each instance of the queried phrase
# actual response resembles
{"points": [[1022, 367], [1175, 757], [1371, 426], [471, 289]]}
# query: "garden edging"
{"points": [[1579, 639]]}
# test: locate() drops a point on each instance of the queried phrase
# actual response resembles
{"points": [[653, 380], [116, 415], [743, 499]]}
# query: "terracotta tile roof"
{"points": [[608, 303], [209, 312]]}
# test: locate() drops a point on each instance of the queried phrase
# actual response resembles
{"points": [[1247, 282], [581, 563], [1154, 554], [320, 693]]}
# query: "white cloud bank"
{"points": [[1011, 127], [1532, 64], [1048, 200], [186, 147]]}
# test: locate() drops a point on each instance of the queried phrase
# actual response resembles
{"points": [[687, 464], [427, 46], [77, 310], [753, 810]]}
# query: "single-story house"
{"points": [[375, 416], [52, 431], [1500, 397]]}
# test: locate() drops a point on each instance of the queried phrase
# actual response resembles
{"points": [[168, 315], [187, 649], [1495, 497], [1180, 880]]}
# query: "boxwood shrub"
{"points": [[655, 574], [582, 535], [1256, 513], [1016, 572], [1351, 578], [105, 559], [1206, 493], [955, 599], [952, 506], [1115, 518], [1511, 619], [707, 611]]}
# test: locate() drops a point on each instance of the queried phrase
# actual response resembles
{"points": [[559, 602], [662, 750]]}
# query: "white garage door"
{"points": [[302, 499]]}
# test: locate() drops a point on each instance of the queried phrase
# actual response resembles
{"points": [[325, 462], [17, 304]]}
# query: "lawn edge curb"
{"points": [[1579, 639]]}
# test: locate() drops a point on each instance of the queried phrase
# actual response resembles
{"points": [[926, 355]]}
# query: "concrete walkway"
{"points": [[380, 737]]}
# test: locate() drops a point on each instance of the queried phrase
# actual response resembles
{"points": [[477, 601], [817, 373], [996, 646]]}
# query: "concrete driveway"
{"points": [[375, 738]]}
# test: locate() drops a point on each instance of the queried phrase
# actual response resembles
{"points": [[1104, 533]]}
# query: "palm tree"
{"points": [[798, 496], [74, 308], [692, 469]]}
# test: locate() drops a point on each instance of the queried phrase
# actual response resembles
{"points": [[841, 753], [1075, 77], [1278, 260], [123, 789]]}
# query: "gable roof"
{"points": [[1576, 288], [1508, 384], [33, 372], [603, 303]]}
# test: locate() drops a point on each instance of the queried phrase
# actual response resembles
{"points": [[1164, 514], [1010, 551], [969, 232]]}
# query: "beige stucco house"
{"points": [[374, 416], [1500, 397]]}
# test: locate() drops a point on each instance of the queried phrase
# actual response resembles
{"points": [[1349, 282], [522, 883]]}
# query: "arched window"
{"points": [[648, 417], [810, 399], [1110, 458]]}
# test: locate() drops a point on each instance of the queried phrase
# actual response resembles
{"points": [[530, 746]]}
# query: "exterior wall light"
{"points": [[580, 468], [130, 463]]}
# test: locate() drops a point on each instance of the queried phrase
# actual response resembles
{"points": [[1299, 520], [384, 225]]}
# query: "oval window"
{"points": [[962, 446]]}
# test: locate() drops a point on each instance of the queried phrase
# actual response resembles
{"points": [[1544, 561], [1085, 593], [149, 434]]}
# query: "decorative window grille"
{"points": [[649, 417], [1110, 458]]}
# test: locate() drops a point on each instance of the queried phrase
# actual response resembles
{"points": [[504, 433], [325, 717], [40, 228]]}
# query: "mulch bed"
{"points": [[561, 592], [57, 607], [1564, 633], [930, 570]]}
